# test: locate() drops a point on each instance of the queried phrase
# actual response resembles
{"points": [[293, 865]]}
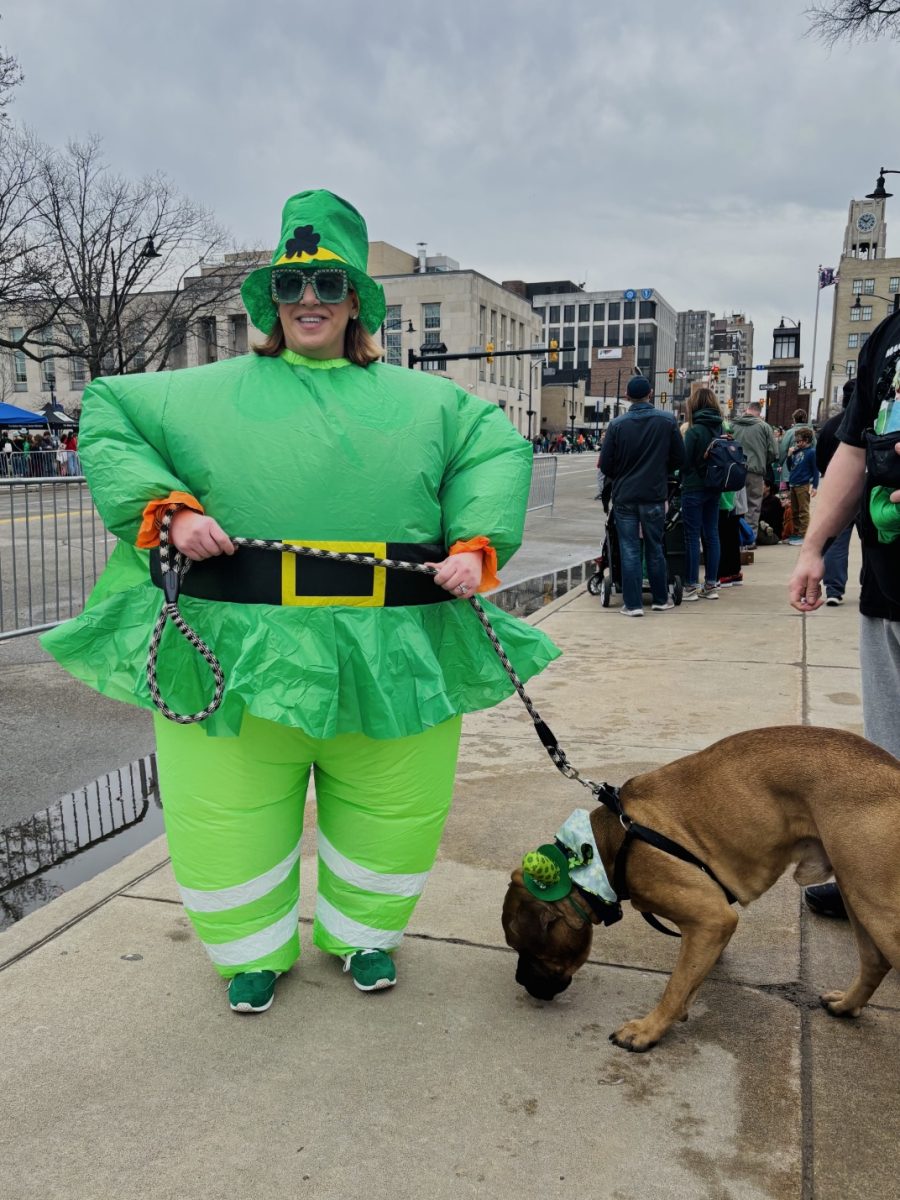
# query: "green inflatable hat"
{"points": [[317, 228], [546, 873]]}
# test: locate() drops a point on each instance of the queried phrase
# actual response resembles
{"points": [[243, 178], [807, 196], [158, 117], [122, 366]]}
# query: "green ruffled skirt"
{"points": [[384, 672]]}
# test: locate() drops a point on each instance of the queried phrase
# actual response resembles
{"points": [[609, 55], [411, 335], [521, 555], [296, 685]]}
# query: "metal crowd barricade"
{"points": [[53, 547], [543, 483], [39, 464]]}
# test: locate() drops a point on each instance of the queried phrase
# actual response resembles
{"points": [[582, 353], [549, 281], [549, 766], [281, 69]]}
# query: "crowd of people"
{"points": [[649, 462], [39, 455]]}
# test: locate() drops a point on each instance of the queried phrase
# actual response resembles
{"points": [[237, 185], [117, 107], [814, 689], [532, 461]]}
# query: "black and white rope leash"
{"points": [[176, 565]]}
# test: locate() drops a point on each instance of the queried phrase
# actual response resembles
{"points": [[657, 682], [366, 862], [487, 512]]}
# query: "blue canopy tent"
{"points": [[18, 418]]}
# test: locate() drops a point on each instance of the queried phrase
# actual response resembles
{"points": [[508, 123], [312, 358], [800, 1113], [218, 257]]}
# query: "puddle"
{"points": [[82, 834]]}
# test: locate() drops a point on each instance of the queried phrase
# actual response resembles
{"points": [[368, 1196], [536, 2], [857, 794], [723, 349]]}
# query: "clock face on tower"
{"points": [[865, 222]]}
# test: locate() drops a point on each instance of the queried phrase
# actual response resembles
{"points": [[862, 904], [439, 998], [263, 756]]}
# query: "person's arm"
{"points": [[608, 453], [676, 449], [836, 505], [814, 466], [122, 451], [483, 495]]}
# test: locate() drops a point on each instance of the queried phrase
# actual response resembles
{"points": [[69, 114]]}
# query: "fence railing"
{"points": [[39, 464], [543, 482], [53, 547]]}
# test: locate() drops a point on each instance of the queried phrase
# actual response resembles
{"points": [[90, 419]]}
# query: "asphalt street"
{"points": [[57, 735]]}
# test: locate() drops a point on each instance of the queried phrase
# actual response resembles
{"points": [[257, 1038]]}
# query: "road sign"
{"points": [[767, 387], [732, 372], [682, 372], [761, 367]]}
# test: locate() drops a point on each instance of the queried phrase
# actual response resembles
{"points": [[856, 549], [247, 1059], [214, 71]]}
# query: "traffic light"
{"points": [[490, 352], [671, 374], [554, 347], [714, 372]]}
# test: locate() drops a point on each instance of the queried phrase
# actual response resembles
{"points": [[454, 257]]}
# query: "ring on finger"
{"points": [[462, 589]]}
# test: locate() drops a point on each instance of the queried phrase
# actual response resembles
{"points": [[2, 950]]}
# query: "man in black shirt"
{"points": [[640, 450], [845, 490]]}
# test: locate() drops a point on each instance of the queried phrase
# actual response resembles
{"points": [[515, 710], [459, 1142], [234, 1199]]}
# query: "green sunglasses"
{"points": [[329, 284]]}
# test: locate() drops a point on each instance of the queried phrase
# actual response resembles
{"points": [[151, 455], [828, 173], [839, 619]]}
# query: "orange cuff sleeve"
{"points": [[489, 577], [148, 534]]}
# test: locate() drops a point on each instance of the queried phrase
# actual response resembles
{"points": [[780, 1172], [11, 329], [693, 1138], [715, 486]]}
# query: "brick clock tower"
{"points": [[785, 395]]}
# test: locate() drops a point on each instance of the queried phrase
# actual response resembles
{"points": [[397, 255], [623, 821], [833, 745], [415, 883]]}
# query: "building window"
{"points": [[863, 338], [568, 337], [482, 337], [866, 311], [628, 335], [852, 341], [857, 287], [177, 339], [431, 317], [237, 332], [569, 312], [393, 348], [208, 348], [784, 347], [48, 366], [542, 313], [599, 339], [554, 314], [521, 361], [584, 312], [647, 309], [504, 345], [629, 310], [612, 335], [869, 287], [393, 316], [493, 365], [851, 368], [894, 285], [615, 311], [855, 313], [20, 361], [599, 312], [78, 372]]}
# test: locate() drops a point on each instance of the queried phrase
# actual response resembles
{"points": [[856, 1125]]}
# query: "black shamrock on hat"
{"points": [[304, 241]]}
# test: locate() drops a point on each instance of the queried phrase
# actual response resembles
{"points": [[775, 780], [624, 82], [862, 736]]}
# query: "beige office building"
{"points": [[864, 294]]}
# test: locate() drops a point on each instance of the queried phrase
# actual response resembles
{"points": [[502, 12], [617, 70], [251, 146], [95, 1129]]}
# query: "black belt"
{"points": [[256, 576]]}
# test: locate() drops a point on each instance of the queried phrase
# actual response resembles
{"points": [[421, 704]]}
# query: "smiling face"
{"points": [[316, 329]]}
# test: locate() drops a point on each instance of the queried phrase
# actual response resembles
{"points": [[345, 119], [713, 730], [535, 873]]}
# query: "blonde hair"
{"points": [[359, 345], [702, 398]]}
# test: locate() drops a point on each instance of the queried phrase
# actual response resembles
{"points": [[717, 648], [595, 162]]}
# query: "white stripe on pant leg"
{"points": [[255, 945], [352, 933], [220, 900], [381, 882]]}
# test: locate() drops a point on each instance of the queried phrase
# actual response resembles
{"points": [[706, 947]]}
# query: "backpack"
{"points": [[726, 464]]}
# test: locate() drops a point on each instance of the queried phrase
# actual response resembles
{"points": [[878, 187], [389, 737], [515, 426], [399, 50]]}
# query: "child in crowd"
{"points": [[803, 478]]}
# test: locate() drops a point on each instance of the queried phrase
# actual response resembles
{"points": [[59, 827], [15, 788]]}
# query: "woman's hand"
{"points": [[459, 573], [198, 537]]}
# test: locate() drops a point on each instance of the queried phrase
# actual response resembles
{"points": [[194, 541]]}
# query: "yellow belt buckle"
{"points": [[289, 575]]}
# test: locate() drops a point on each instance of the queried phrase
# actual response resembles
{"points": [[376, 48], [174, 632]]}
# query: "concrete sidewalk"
{"points": [[124, 1075]]}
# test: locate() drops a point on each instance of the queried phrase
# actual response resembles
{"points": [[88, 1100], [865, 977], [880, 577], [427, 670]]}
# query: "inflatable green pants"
{"points": [[233, 811]]}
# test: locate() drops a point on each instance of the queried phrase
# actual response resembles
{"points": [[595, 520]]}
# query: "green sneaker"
{"points": [[252, 991], [372, 970]]}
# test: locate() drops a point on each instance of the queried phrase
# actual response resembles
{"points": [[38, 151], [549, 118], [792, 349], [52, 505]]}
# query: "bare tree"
{"points": [[855, 20], [120, 295], [10, 77], [24, 254]]}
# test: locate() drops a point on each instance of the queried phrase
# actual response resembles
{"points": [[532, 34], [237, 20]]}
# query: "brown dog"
{"points": [[748, 806]]}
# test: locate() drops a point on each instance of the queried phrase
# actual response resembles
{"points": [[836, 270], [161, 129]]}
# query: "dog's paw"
{"points": [[633, 1036], [834, 1003]]}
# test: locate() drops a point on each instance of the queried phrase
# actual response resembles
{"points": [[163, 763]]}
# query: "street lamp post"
{"points": [[530, 411], [148, 251]]}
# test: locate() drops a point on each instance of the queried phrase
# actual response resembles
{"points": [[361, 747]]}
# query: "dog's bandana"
{"points": [[585, 864]]}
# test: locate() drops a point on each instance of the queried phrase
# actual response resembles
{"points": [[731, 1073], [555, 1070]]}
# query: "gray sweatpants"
{"points": [[879, 660], [754, 499]]}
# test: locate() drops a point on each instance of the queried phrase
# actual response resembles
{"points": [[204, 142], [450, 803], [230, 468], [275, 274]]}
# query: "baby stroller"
{"points": [[608, 576]]}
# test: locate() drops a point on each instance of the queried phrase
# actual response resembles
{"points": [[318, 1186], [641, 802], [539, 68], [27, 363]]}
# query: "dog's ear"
{"points": [[518, 878]]}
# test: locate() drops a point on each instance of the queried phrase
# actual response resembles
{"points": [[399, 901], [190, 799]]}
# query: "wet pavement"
{"points": [[141, 1083]]}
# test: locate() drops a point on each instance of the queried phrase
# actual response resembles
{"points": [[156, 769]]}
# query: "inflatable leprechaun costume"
{"points": [[361, 677]]}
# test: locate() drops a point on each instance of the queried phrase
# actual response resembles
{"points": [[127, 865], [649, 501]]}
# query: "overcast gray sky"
{"points": [[707, 150]]}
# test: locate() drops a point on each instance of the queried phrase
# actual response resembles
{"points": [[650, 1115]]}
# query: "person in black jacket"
{"points": [[640, 450], [835, 578]]}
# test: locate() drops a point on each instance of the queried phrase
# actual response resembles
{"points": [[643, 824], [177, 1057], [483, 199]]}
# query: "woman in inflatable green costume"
{"points": [[308, 439]]}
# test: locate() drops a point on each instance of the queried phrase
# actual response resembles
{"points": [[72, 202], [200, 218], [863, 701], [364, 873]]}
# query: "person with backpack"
{"points": [[758, 443], [700, 502]]}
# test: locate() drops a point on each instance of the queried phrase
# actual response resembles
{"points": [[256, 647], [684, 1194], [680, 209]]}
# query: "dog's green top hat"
{"points": [[546, 873], [317, 229]]}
